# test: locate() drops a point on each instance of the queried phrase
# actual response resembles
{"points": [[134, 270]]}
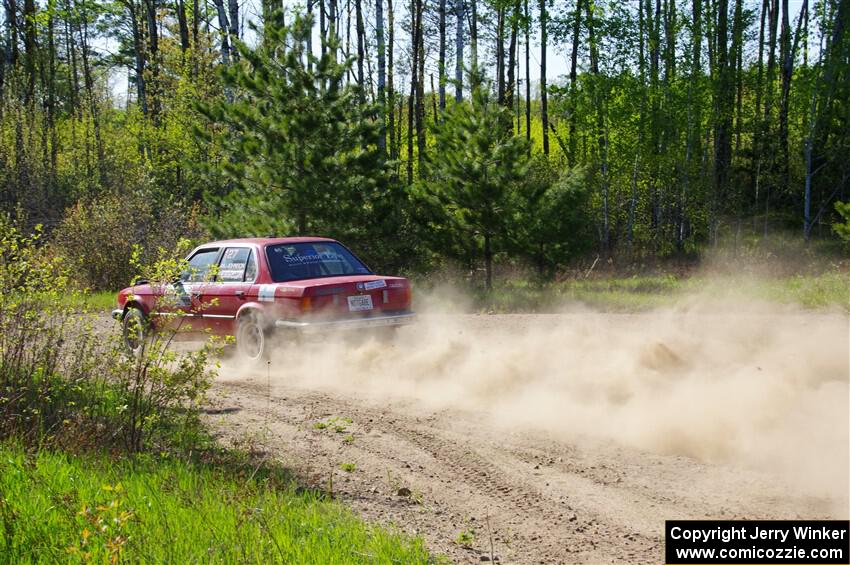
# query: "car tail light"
{"points": [[408, 295], [306, 304]]}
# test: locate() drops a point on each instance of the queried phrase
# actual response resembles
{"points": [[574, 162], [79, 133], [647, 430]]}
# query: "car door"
{"points": [[183, 301], [222, 297]]}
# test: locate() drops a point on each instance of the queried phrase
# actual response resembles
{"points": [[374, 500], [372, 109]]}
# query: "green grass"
{"points": [[337, 424], [100, 300], [465, 538], [830, 290], [631, 294], [609, 294], [57, 507]]}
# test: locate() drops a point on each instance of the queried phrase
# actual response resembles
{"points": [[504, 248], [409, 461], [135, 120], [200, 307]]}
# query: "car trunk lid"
{"points": [[354, 295]]}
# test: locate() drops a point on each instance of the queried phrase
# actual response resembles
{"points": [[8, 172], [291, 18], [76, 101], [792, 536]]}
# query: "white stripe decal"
{"points": [[266, 293]]}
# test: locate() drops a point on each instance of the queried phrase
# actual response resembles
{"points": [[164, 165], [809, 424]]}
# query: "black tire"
{"points": [[252, 338], [134, 331]]}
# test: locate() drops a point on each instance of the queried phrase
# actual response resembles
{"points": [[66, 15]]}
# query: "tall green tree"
{"points": [[552, 224], [475, 171], [301, 147]]}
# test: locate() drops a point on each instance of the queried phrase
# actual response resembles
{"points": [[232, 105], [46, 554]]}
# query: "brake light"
{"points": [[306, 304], [408, 295]]}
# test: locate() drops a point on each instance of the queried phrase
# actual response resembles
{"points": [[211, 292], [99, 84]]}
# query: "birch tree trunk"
{"points": [[382, 101], [182, 26], [601, 128], [544, 104], [390, 81], [500, 54], [473, 38], [414, 81], [527, 72], [441, 63], [361, 54], [459, 17], [233, 12], [572, 123], [420, 88], [510, 85]]}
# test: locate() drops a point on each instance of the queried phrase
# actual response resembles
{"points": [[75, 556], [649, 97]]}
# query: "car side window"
{"points": [[251, 268], [200, 265], [235, 264]]}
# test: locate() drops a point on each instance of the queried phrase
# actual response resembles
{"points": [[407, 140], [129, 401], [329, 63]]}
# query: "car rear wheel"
{"points": [[251, 338], [134, 331]]}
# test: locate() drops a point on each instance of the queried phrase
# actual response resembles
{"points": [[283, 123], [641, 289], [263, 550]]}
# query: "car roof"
{"points": [[267, 240]]}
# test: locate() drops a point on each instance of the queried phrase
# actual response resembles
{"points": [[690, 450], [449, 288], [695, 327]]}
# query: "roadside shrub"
{"points": [[96, 238], [163, 387], [34, 326], [64, 377]]}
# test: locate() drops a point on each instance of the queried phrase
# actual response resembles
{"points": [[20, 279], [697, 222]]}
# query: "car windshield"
{"points": [[296, 261]]}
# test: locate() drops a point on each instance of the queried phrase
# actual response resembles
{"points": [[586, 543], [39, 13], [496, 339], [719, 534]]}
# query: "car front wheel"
{"points": [[251, 338], [134, 331]]}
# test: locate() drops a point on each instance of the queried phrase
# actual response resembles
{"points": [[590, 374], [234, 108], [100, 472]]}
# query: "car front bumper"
{"points": [[308, 326]]}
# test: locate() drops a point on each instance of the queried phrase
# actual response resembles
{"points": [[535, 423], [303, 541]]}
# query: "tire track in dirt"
{"points": [[535, 494], [472, 492], [527, 508], [537, 510]]}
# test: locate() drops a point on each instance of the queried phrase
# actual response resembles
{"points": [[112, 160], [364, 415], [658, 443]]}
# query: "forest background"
{"points": [[429, 134]]}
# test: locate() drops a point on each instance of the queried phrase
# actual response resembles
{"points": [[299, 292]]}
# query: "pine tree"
{"points": [[302, 149], [475, 170]]}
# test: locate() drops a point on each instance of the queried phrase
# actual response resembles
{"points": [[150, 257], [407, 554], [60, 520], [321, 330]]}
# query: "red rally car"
{"points": [[251, 288]]}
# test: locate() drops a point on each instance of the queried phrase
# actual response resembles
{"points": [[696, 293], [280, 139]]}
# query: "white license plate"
{"points": [[359, 303]]}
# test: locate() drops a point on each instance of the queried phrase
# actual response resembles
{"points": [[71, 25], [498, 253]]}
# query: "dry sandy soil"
{"points": [[563, 438]]}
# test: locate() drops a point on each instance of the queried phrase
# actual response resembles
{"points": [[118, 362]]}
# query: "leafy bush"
{"points": [[158, 381], [34, 326], [843, 228], [97, 238], [62, 383]]}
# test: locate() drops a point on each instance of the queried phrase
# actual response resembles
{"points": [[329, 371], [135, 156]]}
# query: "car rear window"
{"points": [[296, 261]]}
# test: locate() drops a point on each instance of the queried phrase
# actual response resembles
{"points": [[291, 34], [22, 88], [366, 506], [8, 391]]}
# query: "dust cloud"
{"points": [[742, 384]]}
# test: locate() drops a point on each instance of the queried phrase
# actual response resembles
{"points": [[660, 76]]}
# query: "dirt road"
{"points": [[561, 439]]}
